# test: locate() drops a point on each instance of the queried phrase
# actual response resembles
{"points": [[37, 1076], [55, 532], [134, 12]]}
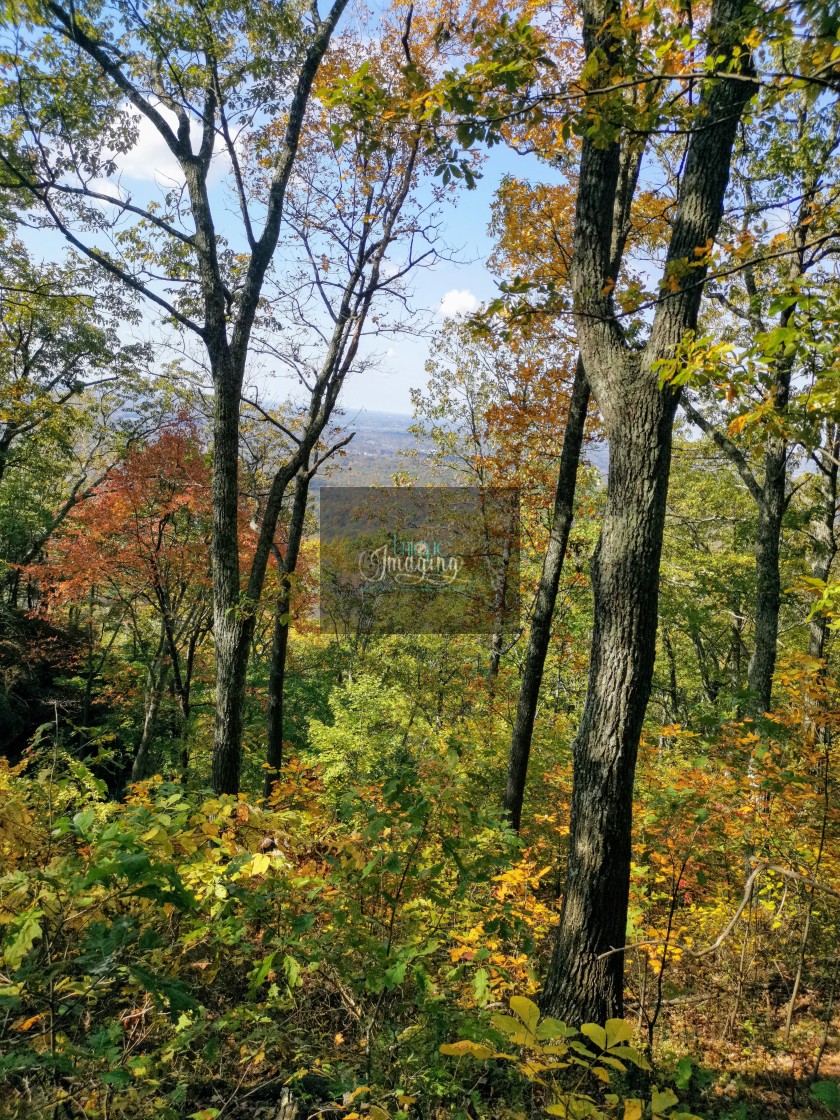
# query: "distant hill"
{"points": [[378, 451]]}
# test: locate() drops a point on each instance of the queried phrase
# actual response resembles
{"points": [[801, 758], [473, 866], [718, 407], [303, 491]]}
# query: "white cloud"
{"points": [[108, 187], [150, 160], [458, 301]]}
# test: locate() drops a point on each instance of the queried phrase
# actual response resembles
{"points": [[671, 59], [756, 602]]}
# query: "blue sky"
{"points": [[453, 285], [449, 286]]}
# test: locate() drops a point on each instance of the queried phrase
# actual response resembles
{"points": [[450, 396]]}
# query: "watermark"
{"points": [[413, 560], [409, 563]]}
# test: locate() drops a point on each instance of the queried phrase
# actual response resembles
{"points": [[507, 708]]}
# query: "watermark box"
{"points": [[419, 560]]}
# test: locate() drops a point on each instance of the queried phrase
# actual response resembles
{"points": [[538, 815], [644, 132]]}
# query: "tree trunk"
{"points": [[768, 586], [282, 608], [771, 511], [185, 694], [824, 549], [583, 986], [153, 698], [231, 612], [276, 684], [498, 636], [540, 634]]}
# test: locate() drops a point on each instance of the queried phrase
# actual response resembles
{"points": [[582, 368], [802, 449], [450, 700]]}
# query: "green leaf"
{"points": [[119, 1078], [260, 973], [685, 1067], [552, 1028], [25, 932], [166, 989], [630, 1054], [292, 970], [827, 1093], [661, 1101], [83, 821], [481, 986], [395, 974], [595, 1034]]}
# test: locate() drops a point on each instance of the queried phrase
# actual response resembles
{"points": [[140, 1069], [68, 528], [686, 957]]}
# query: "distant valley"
{"points": [[383, 446]]}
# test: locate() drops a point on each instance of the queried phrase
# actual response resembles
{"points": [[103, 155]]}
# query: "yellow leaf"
{"points": [[662, 1101], [260, 864], [596, 1034], [633, 1110], [618, 1030], [527, 1011], [465, 1046], [359, 1091]]}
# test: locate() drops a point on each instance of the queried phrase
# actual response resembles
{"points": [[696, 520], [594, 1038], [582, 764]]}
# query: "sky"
{"points": [[453, 286], [450, 287]]}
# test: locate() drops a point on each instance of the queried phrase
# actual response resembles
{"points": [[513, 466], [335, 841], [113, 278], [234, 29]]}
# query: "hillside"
{"points": [[383, 445]]}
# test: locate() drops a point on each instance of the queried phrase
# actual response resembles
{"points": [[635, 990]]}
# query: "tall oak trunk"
{"points": [[586, 975], [582, 983]]}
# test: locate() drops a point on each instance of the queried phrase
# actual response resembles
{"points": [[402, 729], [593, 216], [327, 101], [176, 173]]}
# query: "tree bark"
{"points": [[824, 548], [498, 636], [540, 633], [768, 584], [154, 695], [282, 608], [625, 578], [231, 632], [584, 984]]}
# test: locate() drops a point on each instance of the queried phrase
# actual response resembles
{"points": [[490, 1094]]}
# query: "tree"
{"points": [[586, 977], [531, 226], [242, 80], [149, 527], [197, 80], [287, 564], [349, 208], [539, 633], [71, 397], [493, 412], [792, 158]]}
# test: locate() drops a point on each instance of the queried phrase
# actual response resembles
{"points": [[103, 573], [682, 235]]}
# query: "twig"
{"points": [[759, 869]]}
